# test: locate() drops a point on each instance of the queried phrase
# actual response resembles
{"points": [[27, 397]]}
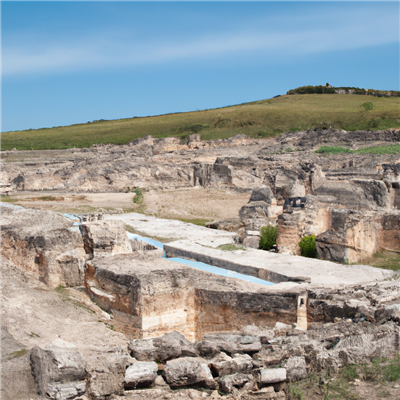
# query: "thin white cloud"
{"points": [[107, 50]]}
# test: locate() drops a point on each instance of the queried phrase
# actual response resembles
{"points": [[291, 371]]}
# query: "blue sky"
{"points": [[73, 62]]}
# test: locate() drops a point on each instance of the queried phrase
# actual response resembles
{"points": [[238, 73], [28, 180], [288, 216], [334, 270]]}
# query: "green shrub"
{"points": [[367, 106], [308, 246], [332, 150], [268, 237], [138, 199]]}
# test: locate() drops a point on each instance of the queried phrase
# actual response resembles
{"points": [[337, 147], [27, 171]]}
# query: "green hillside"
{"points": [[264, 118]]}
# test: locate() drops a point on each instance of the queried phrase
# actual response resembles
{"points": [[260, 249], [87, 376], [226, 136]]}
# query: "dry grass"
{"points": [[264, 118], [384, 259]]}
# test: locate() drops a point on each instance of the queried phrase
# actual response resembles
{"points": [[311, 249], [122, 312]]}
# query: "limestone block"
{"points": [[166, 347], [256, 215], [188, 371], [296, 369], [65, 391], [143, 349], [140, 374], [252, 242], [160, 383], [273, 375], [267, 393], [105, 238], [138, 245], [238, 380], [208, 348], [243, 361], [106, 371], [174, 345], [388, 313], [58, 369], [222, 364], [263, 193], [232, 343]]}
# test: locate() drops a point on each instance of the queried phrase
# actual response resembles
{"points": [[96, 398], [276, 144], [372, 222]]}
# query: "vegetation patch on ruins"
{"points": [[139, 197], [131, 229], [229, 247], [64, 294], [268, 237], [195, 221], [308, 246], [258, 119], [17, 354], [47, 198], [384, 259], [389, 149], [376, 379], [8, 199]]}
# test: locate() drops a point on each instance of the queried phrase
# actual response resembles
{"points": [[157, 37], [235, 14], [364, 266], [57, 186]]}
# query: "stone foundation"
{"points": [[151, 297]]}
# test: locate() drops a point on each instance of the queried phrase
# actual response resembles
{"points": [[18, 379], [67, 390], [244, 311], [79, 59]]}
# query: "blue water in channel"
{"points": [[195, 264], [202, 266]]}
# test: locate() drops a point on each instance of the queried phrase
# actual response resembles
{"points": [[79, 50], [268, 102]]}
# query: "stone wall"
{"points": [[219, 311]]}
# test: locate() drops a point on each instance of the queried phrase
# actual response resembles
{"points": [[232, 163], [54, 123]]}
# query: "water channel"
{"points": [[202, 266]]}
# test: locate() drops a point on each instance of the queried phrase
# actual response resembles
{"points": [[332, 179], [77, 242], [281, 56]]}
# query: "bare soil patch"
{"points": [[192, 205]]}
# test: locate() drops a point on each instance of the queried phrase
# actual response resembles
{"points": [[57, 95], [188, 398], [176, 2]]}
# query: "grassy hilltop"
{"points": [[264, 118]]}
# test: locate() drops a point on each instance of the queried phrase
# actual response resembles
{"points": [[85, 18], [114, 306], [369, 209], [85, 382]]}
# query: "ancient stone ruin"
{"points": [[90, 312]]}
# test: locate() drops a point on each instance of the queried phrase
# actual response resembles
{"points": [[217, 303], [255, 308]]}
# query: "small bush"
{"points": [[268, 237], [367, 106], [308, 246], [138, 199]]}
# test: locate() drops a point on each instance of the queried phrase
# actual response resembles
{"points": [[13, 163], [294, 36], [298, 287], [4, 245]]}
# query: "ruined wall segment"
{"points": [[219, 311], [150, 298]]}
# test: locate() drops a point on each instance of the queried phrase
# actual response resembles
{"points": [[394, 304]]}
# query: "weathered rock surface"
{"points": [[227, 383], [296, 369], [188, 371], [272, 375], [141, 374], [106, 369], [105, 238], [17, 381], [171, 345], [261, 210], [59, 370], [43, 243], [222, 364]]}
